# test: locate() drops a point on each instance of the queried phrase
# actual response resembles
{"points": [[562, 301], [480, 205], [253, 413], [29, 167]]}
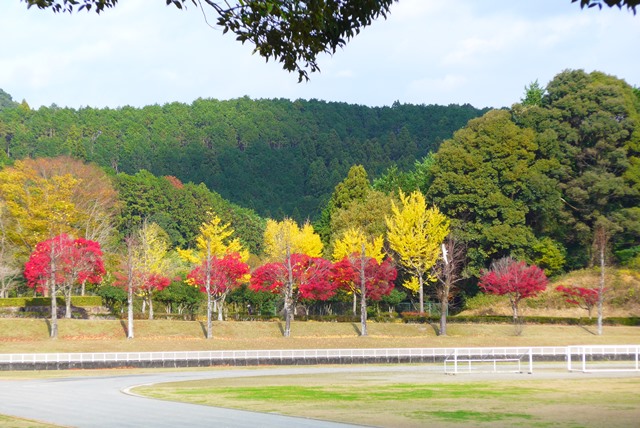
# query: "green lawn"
{"points": [[392, 399]]}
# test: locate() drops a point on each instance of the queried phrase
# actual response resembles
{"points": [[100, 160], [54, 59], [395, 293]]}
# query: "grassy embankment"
{"points": [[32, 335]]}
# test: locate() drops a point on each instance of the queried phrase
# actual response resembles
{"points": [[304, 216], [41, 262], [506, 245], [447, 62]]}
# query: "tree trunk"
{"points": [[129, 288], [288, 314], [363, 295], [207, 283], [421, 293], [355, 303], [67, 303], [130, 310], [54, 302], [209, 311], [54, 311], [220, 310], [444, 309], [601, 290], [150, 308]]}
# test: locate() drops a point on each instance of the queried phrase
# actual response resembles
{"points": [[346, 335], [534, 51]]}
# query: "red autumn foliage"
{"points": [[379, 277], [75, 260], [145, 282], [585, 298], [311, 278], [226, 274], [515, 280], [175, 182]]}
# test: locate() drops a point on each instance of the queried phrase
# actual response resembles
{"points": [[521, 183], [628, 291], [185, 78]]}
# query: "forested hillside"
{"points": [[277, 157]]}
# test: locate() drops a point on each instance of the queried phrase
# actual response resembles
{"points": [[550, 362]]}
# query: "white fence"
{"points": [[306, 354], [455, 359], [467, 360], [599, 358]]}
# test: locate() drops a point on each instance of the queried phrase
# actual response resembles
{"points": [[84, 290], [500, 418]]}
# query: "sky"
{"points": [[427, 52]]}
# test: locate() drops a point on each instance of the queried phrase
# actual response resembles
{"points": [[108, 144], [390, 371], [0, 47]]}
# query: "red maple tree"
{"points": [[145, 284], [366, 276], [62, 263], [226, 274], [585, 298], [514, 279], [300, 277]]}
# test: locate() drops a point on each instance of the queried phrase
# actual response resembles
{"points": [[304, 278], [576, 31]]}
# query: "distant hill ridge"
{"points": [[278, 157]]}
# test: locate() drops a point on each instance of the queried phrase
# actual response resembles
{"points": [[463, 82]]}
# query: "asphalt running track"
{"points": [[104, 401]]}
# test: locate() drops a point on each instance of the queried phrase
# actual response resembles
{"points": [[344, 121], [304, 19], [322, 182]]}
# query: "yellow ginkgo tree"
{"points": [[214, 243], [150, 255], [415, 233]]}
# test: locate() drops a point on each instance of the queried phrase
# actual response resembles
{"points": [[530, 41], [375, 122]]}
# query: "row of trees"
{"points": [[552, 181], [218, 265]]}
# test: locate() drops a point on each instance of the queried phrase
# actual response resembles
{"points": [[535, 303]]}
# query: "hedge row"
{"points": [[414, 317], [25, 302]]}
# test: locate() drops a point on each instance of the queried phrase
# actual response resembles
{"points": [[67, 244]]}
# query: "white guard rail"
{"points": [[594, 358], [286, 354]]}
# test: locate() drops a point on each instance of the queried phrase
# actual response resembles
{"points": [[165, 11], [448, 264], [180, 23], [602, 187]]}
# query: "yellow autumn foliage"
{"points": [[351, 243], [215, 240], [416, 232], [285, 235]]}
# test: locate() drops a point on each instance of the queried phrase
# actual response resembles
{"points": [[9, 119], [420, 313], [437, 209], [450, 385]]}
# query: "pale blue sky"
{"points": [[426, 52]]}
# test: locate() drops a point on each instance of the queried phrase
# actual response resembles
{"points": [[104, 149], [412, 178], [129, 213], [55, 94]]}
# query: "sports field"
{"points": [[552, 398]]}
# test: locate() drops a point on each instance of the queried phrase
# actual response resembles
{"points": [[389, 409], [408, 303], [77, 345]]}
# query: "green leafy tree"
{"points": [[630, 4], [588, 127], [492, 182]]}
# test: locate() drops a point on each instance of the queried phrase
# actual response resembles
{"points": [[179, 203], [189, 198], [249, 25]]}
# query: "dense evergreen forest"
{"points": [[277, 157]]}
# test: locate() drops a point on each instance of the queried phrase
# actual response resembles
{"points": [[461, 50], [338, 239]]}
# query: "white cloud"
{"points": [[427, 51]]}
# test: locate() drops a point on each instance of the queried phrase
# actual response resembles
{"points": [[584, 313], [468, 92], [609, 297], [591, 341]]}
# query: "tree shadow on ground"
{"points": [[586, 328], [356, 328], [124, 328], [435, 327]]}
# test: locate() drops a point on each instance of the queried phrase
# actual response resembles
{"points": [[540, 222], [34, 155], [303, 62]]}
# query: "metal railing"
{"points": [[316, 356], [598, 358], [433, 353]]}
